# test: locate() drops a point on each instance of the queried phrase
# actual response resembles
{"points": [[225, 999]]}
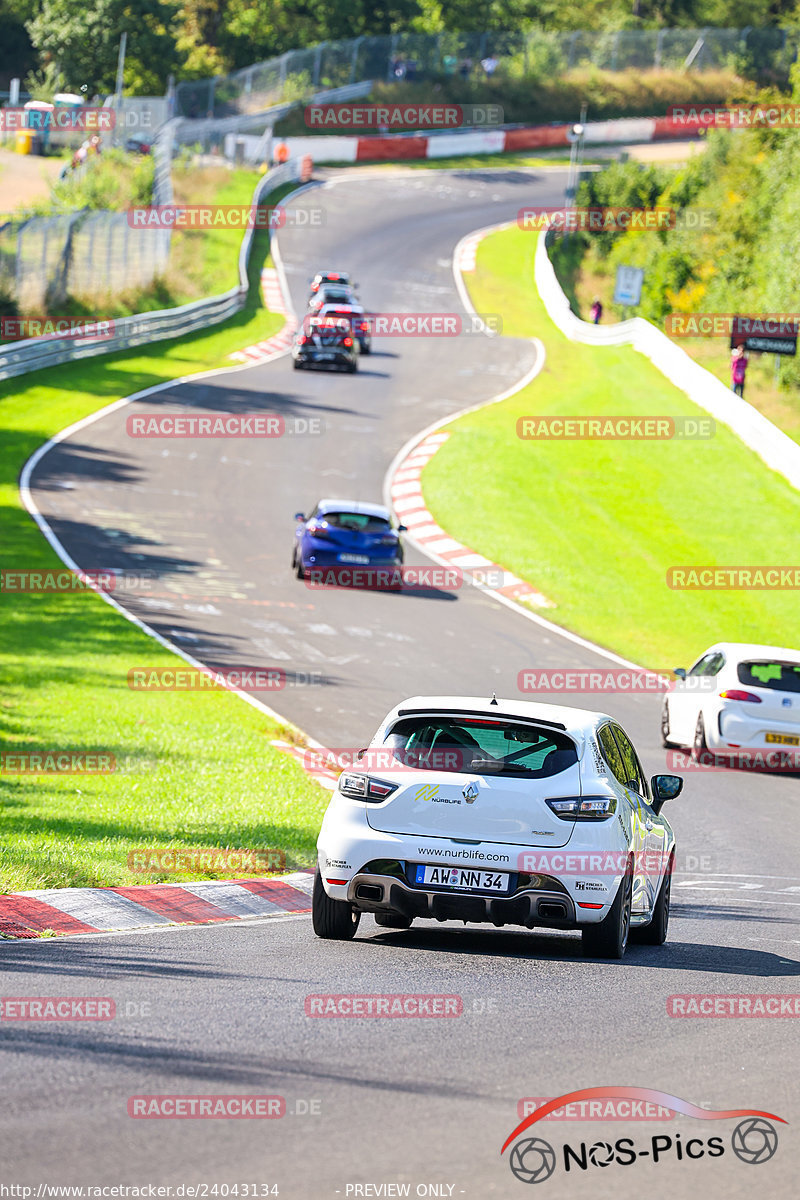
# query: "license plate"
{"points": [[462, 879], [782, 739], [354, 558], [326, 357]]}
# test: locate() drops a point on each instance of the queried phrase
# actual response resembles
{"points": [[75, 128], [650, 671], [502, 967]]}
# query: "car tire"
{"points": [[392, 920], [298, 366], [298, 567], [366, 348], [699, 746], [352, 368], [332, 918], [665, 742], [655, 934], [609, 938]]}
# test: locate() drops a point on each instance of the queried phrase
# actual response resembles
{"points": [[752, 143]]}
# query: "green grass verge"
{"points": [[595, 525], [196, 770]]}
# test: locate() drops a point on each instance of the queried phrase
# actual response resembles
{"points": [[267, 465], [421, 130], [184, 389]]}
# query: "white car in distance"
{"points": [[739, 697]]}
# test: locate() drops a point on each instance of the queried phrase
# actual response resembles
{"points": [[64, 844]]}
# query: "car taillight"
{"points": [[318, 529], [348, 341], [583, 808], [301, 341], [364, 327], [363, 787], [737, 694]]}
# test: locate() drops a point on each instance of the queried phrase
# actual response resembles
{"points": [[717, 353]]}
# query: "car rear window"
{"points": [[780, 676], [481, 746], [360, 522]]}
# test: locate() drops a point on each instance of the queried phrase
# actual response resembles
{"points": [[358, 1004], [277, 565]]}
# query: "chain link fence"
{"points": [[87, 253], [765, 54]]}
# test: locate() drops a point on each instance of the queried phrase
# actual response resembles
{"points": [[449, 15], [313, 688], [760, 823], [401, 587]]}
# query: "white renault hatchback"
{"points": [[500, 811], [738, 697]]}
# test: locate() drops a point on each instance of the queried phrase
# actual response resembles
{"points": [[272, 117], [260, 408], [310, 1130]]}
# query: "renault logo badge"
{"points": [[470, 793]]}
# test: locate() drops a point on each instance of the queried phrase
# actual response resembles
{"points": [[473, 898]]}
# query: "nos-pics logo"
{"points": [[533, 1160]]}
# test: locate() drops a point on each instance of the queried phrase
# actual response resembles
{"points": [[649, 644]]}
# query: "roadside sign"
{"points": [[783, 341], [628, 287]]}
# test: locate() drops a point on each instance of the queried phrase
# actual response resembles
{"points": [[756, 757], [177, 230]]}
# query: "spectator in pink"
{"points": [[596, 310], [739, 361]]}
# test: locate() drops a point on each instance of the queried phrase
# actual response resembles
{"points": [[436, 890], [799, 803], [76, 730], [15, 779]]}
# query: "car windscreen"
{"points": [[770, 673], [481, 746], [357, 522], [336, 295]]}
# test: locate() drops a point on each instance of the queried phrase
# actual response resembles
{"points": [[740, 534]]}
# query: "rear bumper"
{"points": [[384, 893], [735, 729]]}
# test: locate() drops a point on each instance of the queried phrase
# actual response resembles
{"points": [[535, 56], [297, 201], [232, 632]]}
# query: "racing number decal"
{"points": [[427, 791]]}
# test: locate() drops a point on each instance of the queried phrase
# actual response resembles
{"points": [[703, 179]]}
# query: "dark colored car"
{"points": [[326, 344], [357, 320], [346, 533]]}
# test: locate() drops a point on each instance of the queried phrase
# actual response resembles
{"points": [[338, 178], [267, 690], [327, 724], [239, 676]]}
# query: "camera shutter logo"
{"points": [[533, 1160]]}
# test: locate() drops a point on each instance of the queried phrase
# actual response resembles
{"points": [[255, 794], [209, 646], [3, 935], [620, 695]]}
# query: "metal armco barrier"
{"points": [[18, 358]]}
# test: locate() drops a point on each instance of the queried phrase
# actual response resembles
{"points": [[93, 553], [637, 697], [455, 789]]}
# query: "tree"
{"points": [[84, 41]]}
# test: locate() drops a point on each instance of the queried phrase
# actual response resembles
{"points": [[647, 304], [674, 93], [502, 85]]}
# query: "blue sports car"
{"points": [[342, 533]]}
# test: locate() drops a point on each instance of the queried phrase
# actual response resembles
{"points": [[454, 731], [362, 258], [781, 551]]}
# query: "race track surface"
{"points": [[422, 1101]]}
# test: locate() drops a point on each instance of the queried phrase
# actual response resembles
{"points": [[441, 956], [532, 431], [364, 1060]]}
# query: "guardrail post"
{"points": [[354, 59], [317, 64], [659, 45]]}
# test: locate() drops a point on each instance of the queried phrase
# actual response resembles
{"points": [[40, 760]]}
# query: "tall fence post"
{"points": [[659, 46], [317, 64], [354, 59]]}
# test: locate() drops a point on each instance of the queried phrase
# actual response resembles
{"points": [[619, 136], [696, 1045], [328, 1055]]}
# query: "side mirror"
{"points": [[402, 529], [361, 754], [299, 516], [665, 787], [680, 672]]}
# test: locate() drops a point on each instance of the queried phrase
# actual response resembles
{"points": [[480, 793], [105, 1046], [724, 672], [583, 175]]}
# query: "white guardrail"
{"points": [[33, 354], [771, 444]]}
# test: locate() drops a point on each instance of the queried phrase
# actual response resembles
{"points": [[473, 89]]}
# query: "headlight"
{"points": [[583, 808], [364, 787]]}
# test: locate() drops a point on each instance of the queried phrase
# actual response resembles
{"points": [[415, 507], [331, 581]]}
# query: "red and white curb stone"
{"points": [[122, 909], [280, 342], [408, 503], [467, 251]]}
